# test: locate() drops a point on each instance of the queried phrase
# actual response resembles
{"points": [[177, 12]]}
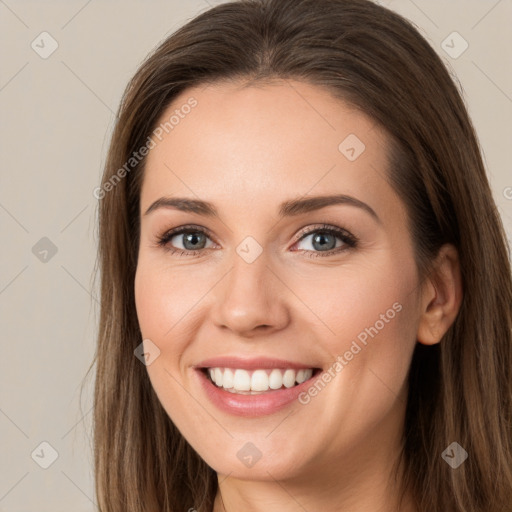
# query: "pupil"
{"points": [[192, 237], [321, 240]]}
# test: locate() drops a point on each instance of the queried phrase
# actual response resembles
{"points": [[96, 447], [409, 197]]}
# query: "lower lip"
{"points": [[252, 405]]}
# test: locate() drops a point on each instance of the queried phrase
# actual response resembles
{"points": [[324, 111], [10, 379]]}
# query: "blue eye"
{"points": [[324, 241], [194, 239]]}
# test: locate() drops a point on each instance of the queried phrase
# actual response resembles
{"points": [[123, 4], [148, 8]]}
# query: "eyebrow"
{"points": [[288, 208]]}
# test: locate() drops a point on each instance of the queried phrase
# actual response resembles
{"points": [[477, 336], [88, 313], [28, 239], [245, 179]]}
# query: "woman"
{"points": [[306, 293]]}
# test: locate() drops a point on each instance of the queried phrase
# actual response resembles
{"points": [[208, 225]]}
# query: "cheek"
{"points": [[152, 297], [372, 321], [366, 302], [169, 307], [164, 303], [373, 317], [164, 298]]}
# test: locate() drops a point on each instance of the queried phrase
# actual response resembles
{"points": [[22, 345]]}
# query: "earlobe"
{"points": [[441, 297]]}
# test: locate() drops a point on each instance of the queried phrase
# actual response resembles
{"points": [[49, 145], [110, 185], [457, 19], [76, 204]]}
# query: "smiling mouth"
{"points": [[255, 382]]}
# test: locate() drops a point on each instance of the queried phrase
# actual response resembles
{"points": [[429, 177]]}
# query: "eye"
{"points": [[323, 241], [186, 240]]}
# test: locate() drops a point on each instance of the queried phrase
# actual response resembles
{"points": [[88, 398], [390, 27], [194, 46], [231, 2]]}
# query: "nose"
{"points": [[251, 299]]}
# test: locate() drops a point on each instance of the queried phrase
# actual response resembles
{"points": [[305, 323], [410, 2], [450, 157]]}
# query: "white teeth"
{"points": [[303, 375], [227, 379], [300, 376], [218, 376], [289, 378], [241, 381], [275, 380], [261, 380], [307, 375]]}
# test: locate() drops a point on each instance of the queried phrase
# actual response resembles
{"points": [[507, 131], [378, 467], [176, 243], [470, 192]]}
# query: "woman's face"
{"points": [[261, 288]]}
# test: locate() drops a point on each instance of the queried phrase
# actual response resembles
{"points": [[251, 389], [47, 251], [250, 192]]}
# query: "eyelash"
{"points": [[347, 238]]}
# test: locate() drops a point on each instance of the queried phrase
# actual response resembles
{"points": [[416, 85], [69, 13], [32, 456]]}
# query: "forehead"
{"points": [[264, 143]]}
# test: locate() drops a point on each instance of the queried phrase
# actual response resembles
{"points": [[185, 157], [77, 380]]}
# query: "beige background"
{"points": [[57, 114]]}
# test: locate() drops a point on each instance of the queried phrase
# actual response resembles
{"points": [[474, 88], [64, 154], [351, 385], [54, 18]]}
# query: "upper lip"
{"points": [[250, 364]]}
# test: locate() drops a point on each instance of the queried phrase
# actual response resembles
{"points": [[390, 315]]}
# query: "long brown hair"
{"points": [[459, 390]]}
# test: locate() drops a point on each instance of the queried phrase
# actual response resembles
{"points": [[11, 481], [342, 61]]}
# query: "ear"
{"points": [[441, 296]]}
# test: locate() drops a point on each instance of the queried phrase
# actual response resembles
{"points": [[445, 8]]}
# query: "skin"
{"points": [[247, 150]]}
